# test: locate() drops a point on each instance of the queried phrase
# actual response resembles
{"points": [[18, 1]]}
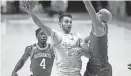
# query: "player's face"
{"points": [[66, 24], [42, 38]]}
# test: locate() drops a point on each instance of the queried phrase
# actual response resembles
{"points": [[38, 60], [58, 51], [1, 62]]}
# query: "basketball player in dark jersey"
{"points": [[41, 55], [98, 64]]}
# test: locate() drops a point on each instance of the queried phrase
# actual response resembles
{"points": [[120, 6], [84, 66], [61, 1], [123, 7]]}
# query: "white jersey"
{"points": [[68, 53]]}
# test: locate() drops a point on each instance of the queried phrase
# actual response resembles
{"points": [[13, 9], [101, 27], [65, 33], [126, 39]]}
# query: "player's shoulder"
{"points": [[77, 35], [29, 48]]}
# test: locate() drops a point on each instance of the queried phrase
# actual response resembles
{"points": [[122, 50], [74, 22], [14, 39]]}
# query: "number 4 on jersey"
{"points": [[43, 64]]}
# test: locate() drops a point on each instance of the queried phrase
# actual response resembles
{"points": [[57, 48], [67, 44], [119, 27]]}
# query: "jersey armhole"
{"points": [[28, 50], [105, 31], [31, 52], [52, 50]]}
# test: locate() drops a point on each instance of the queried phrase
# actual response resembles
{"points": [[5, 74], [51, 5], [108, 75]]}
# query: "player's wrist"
{"points": [[13, 72]]}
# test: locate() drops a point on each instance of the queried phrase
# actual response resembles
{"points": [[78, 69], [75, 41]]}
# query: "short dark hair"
{"points": [[65, 15], [36, 32]]}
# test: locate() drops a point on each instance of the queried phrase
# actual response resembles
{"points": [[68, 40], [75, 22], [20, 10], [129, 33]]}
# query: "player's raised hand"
{"points": [[14, 74], [27, 6]]}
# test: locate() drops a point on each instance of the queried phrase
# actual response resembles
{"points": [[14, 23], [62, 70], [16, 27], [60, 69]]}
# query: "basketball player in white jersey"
{"points": [[68, 45]]}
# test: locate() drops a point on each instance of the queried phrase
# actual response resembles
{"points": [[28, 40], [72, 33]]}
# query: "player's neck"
{"points": [[42, 45], [64, 32]]}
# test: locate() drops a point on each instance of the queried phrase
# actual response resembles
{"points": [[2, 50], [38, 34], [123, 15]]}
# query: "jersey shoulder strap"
{"points": [[28, 50], [32, 50]]}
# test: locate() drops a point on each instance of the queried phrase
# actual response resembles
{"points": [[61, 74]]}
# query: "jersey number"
{"points": [[43, 64]]}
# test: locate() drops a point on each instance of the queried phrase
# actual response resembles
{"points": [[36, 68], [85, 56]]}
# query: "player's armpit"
{"points": [[100, 31], [55, 38]]}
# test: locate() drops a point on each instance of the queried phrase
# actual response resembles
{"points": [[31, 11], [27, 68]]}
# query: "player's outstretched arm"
{"points": [[28, 6], [47, 30], [22, 61], [97, 24]]}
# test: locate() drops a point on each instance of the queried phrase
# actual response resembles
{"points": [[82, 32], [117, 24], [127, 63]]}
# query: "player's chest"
{"points": [[69, 41], [42, 54], [70, 46]]}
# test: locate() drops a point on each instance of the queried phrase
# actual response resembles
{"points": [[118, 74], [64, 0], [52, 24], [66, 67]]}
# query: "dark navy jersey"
{"points": [[41, 60], [98, 46], [98, 64]]}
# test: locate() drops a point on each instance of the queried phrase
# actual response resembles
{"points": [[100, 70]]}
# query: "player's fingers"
{"points": [[22, 5], [129, 68], [32, 4], [129, 65], [23, 8]]}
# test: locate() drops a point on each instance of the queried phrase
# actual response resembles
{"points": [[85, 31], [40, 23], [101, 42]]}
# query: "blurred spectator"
{"points": [[38, 8], [117, 8], [58, 7], [128, 8], [3, 6]]}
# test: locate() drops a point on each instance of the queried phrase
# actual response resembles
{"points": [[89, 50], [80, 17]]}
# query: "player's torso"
{"points": [[98, 47], [41, 61], [69, 53]]}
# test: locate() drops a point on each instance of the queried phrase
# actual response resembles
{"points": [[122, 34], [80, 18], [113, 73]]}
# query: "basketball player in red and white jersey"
{"points": [[41, 55], [98, 64], [68, 46]]}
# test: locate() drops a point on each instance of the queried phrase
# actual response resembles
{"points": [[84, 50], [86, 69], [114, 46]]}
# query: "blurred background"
{"points": [[117, 8], [18, 31]]}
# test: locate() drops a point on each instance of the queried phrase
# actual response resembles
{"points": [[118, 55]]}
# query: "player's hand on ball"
{"points": [[14, 74], [27, 6]]}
